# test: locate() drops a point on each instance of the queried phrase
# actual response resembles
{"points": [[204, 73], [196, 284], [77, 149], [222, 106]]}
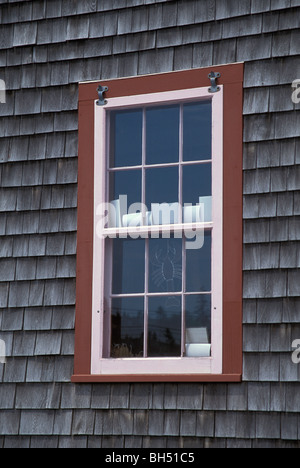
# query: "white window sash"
{"points": [[138, 366]]}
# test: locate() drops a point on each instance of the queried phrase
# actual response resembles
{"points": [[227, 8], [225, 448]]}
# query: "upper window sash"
{"points": [[102, 133]]}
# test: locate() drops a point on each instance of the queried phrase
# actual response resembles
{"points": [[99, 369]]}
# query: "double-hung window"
{"points": [[157, 257]]}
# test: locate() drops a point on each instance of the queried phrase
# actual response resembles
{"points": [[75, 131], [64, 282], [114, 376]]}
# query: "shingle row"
{"points": [[239, 425], [271, 256], [41, 123], [187, 10], [38, 245], [276, 44], [36, 269], [257, 74], [271, 230], [193, 28], [41, 9], [39, 293], [38, 198], [273, 367], [50, 221], [37, 173], [43, 343], [271, 205], [267, 397], [279, 179], [146, 442], [55, 99], [268, 154], [37, 318], [35, 147], [273, 99], [252, 396], [37, 369], [271, 284], [272, 311], [271, 126], [270, 337]]}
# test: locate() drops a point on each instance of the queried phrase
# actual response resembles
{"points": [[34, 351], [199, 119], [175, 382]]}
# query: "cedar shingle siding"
{"points": [[46, 47]]}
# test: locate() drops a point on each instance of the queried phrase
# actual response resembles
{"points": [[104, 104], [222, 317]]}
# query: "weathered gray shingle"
{"points": [[36, 422], [37, 318], [10, 422]]}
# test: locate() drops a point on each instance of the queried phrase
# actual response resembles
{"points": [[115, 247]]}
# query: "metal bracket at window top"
{"points": [[101, 90], [213, 79]]}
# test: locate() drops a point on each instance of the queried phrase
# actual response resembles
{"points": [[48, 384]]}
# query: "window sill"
{"points": [[156, 378]]}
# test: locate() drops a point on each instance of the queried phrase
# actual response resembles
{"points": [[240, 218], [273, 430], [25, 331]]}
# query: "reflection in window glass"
{"points": [[128, 266], [162, 138], [161, 185], [127, 183], [155, 133], [197, 131], [127, 325], [198, 267], [197, 182], [198, 318], [165, 265], [164, 333], [126, 138]]}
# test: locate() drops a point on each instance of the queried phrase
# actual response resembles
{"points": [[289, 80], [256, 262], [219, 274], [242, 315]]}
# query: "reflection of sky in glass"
{"points": [[128, 266], [197, 182], [126, 183], [126, 141], [197, 133], [161, 185], [162, 138], [198, 267]]}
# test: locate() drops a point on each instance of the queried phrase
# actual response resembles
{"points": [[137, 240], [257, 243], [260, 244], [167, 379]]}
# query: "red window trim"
{"points": [[232, 79]]}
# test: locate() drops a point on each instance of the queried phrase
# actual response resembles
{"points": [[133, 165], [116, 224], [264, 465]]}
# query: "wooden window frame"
{"points": [[232, 87], [180, 365]]}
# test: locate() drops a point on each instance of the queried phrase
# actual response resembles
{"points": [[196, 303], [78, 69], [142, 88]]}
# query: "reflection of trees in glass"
{"points": [[164, 337], [127, 337], [169, 338]]}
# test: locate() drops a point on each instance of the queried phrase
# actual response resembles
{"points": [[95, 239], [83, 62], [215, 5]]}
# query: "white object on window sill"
{"points": [[136, 219], [165, 213], [114, 214], [199, 213], [198, 350]]}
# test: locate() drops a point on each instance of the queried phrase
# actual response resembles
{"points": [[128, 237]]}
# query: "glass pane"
{"points": [[197, 182], [128, 266], [165, 265], [198, 267], [162, 135], [197, 131], [126, 138], [127, 327], [126, 183], [161, 186], [164, 333], [198, 325]]}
